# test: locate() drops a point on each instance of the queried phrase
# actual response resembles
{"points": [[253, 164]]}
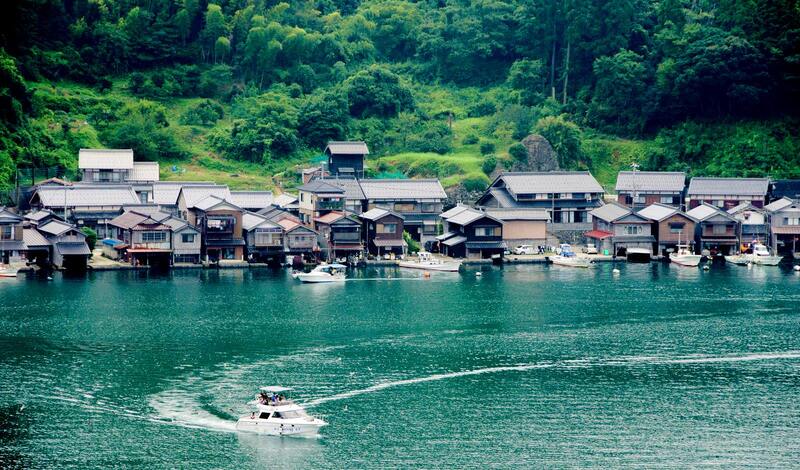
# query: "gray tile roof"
{"points": [[166, 192], [33, 238], [8, 217], [518, 214], [144, 171], [551, 182], [251, 220], [402, 189], [73, 248], [38, 215], [86, 195], [658, 212], [252, 199], [657, 181], [705, 211], [466, 217], [212, 201], [55, 227], [284, 200], [455, 210], [108, 159], [729, 186], [347, 147], [319, 186], [194, 194], [779, 204], [377, 213], [351, 186], [503, 198], [610, 212]]}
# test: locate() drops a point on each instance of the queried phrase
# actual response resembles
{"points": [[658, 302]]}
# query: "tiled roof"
{"points": [[503, 198], [399, 189], [252, 199], [86, 195], [377, 213], [320, 186], [729, 186], [192, 195], [657, 212], [347, 147], [33, 238], [108, 159], [56, 227], [662, 181], [454, 211], [466, 217], [351, 186], [166, 192], [73, 248], [779, 204], [284, 200], [551, 182], [129, 220], [610, 212], [251, 221], [211, 202], [144, 171], [8, 217], [705, 211], [330, 217], [518, 214], [38, 215]]}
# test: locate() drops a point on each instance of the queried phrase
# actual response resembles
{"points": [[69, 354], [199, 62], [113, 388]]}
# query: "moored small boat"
{"points": [[8, 270], [567, 257], [428, 262], [277, 416], [761, 255], [683, 257]]}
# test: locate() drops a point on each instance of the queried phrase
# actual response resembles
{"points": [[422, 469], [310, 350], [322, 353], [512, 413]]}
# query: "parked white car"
{"points": [[590, 249], [524, 250]]}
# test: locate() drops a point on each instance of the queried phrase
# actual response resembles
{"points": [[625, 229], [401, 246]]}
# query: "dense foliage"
{"points": [[281, 78]]}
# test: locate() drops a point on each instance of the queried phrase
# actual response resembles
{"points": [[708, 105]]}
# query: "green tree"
{"points": [[489, 164], [222, 49], [91, 237], [377, 91], [214, 29], [623, 97], [527, 79], [142, 126]]}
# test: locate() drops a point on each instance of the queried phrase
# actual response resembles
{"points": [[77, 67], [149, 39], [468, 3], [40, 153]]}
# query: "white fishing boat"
{"points": [[9, 270], [276, 415], [428, 262], [567, 257], [741, 260], [323, 273], [641, 255], [684, 257], [761, 255]]}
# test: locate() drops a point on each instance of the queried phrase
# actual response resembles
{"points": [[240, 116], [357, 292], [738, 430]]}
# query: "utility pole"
{"points": [[635, 167]]}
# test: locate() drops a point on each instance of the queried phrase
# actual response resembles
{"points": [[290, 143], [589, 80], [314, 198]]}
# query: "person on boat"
{"points": [[281, 397], [274, 398], [263, 398]]}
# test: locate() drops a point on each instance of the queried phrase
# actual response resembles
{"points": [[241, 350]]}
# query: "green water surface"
{"points": [[524, 367]]}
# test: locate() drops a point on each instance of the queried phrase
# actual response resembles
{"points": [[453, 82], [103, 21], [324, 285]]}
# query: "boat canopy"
{"points": [[275, 389]]}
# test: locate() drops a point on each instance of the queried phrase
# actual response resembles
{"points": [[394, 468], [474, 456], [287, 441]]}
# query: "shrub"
{"points": [[413, 245], [470, 139], [205, 113], [519, 152], [482, 108], [487, 147], [91, 237], [475, 183], [489, 164]]}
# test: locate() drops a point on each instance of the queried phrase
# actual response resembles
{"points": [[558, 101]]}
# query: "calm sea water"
{"points": [[526, 366]]}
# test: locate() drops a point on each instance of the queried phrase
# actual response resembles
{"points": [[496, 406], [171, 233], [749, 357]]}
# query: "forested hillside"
{"points": [[240, 90]]}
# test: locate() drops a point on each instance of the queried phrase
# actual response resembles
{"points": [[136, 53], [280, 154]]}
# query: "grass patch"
{"points": [[606, 156]]}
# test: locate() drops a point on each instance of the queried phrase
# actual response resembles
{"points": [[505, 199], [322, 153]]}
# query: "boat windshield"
{"points": [[293, 414]]}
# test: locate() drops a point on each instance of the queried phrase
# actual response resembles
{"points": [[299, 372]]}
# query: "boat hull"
{"points": [[260, 426], [767, 260], [8, 274], [311, 278], [570, 262], [443, 267], [686, 260], [738, 259]]}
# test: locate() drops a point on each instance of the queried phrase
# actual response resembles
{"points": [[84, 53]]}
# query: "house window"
{"points": [[719, 202], [580, 216], [221, 224], [228, 253], [430, 207], [719, 229], [526, 197], [387, 228], [430, 229], [404, 206], [676, 227], [154, 237], [553, 196], [6, 232], [791, 221], [541, 196], [187, 238], [578, 195], [633, 229], [566, 195], [639, 199], [667, 200], [556, 216], [487, 231]]}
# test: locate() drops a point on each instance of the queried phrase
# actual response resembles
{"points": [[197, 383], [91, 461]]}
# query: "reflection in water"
{"points": [[281, 452]]}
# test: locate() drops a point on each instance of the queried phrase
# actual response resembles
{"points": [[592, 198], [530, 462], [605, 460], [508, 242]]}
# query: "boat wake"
{"points": [[184, 408], [577, 363]]}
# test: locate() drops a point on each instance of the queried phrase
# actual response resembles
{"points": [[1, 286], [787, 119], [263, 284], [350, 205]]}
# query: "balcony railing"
{"points": [[329, 205], [345, 236]]}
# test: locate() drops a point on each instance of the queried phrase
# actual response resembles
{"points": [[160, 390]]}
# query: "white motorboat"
{"points": [[761, 255], [8, 270], [278, 416], [741, 260], [323, 273], [638, 255], [567, 257], [683, 257], [428, 262]]}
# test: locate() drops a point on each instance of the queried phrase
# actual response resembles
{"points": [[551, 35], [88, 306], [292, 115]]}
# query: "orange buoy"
{"points": [[426, 274]]}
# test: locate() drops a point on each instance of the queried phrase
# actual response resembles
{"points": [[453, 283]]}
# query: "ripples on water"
{"points": [[525, 366]]}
